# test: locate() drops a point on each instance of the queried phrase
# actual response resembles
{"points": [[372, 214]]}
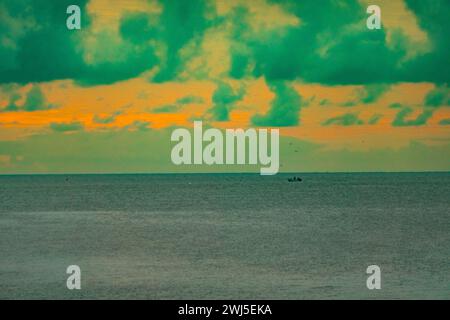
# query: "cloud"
{"points": [[369, 93], [106, 119], [317, 49], [348, 119], [439, 96], [178, 105], [445, 122], [351, 119], [66, 126], [328, 43], [374, 119], [170, 108], [333, 46], [432, 17], [401, 121], [190, 100], [284, 110], [44, 49], [324, 102], [181, 22], [34, 101], [138, 125], [372, 92], [224, 98], [12, 106], [139, 27], [95, 56]]}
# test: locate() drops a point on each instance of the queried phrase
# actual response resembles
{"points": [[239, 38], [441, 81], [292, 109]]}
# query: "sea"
{"points": [[225, 236]]}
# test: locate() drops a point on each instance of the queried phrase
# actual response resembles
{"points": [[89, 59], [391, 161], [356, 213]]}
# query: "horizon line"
{"points": [[199, 173]]}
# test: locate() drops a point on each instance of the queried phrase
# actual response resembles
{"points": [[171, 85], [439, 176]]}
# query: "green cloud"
{"points": [[348, 54], [445, 122], [348, 119], [190, 100], [285, 108], [239, 64], [43, 49], [372, 92], [181, 21], [173, 108], [12, 106], [66, 126], [170, 108], [324, 102], [432, 17], [62, 56], [224, 98], [331, 45], [34, 101], [106, 120], [139, 27], [178, 105], [401, 121], [138, 125], [294, 53], [439, 96], [374, 119], [115, 59], [115, 55]]}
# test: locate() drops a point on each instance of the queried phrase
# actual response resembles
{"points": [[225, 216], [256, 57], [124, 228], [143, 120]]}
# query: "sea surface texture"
{"points": [[223, 236]]}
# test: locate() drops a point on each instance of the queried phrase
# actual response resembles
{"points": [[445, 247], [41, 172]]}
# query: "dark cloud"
{"points": [[180, 21], [190, 100], [12, 106], [66, 126], [178, 105], [438, 97], [374, 119], [224, 99], [285, 108], [333, 46], [170, 108], [139, 27], [46, 50], [432, 17], [324, 102], [139, 125], [348, 119], [401, 120], [106, 119], [34, 101], [372, 92], [367, 94]]}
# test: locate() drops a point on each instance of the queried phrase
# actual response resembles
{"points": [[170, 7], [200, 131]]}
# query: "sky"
{"points": [[105, 98]]}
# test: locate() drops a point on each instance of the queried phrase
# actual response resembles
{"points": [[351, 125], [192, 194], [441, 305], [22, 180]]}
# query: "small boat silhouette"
{"points": [[295, 179]]}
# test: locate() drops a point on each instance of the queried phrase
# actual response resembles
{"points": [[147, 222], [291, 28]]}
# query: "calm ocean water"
{"points": [[225, 236]]}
